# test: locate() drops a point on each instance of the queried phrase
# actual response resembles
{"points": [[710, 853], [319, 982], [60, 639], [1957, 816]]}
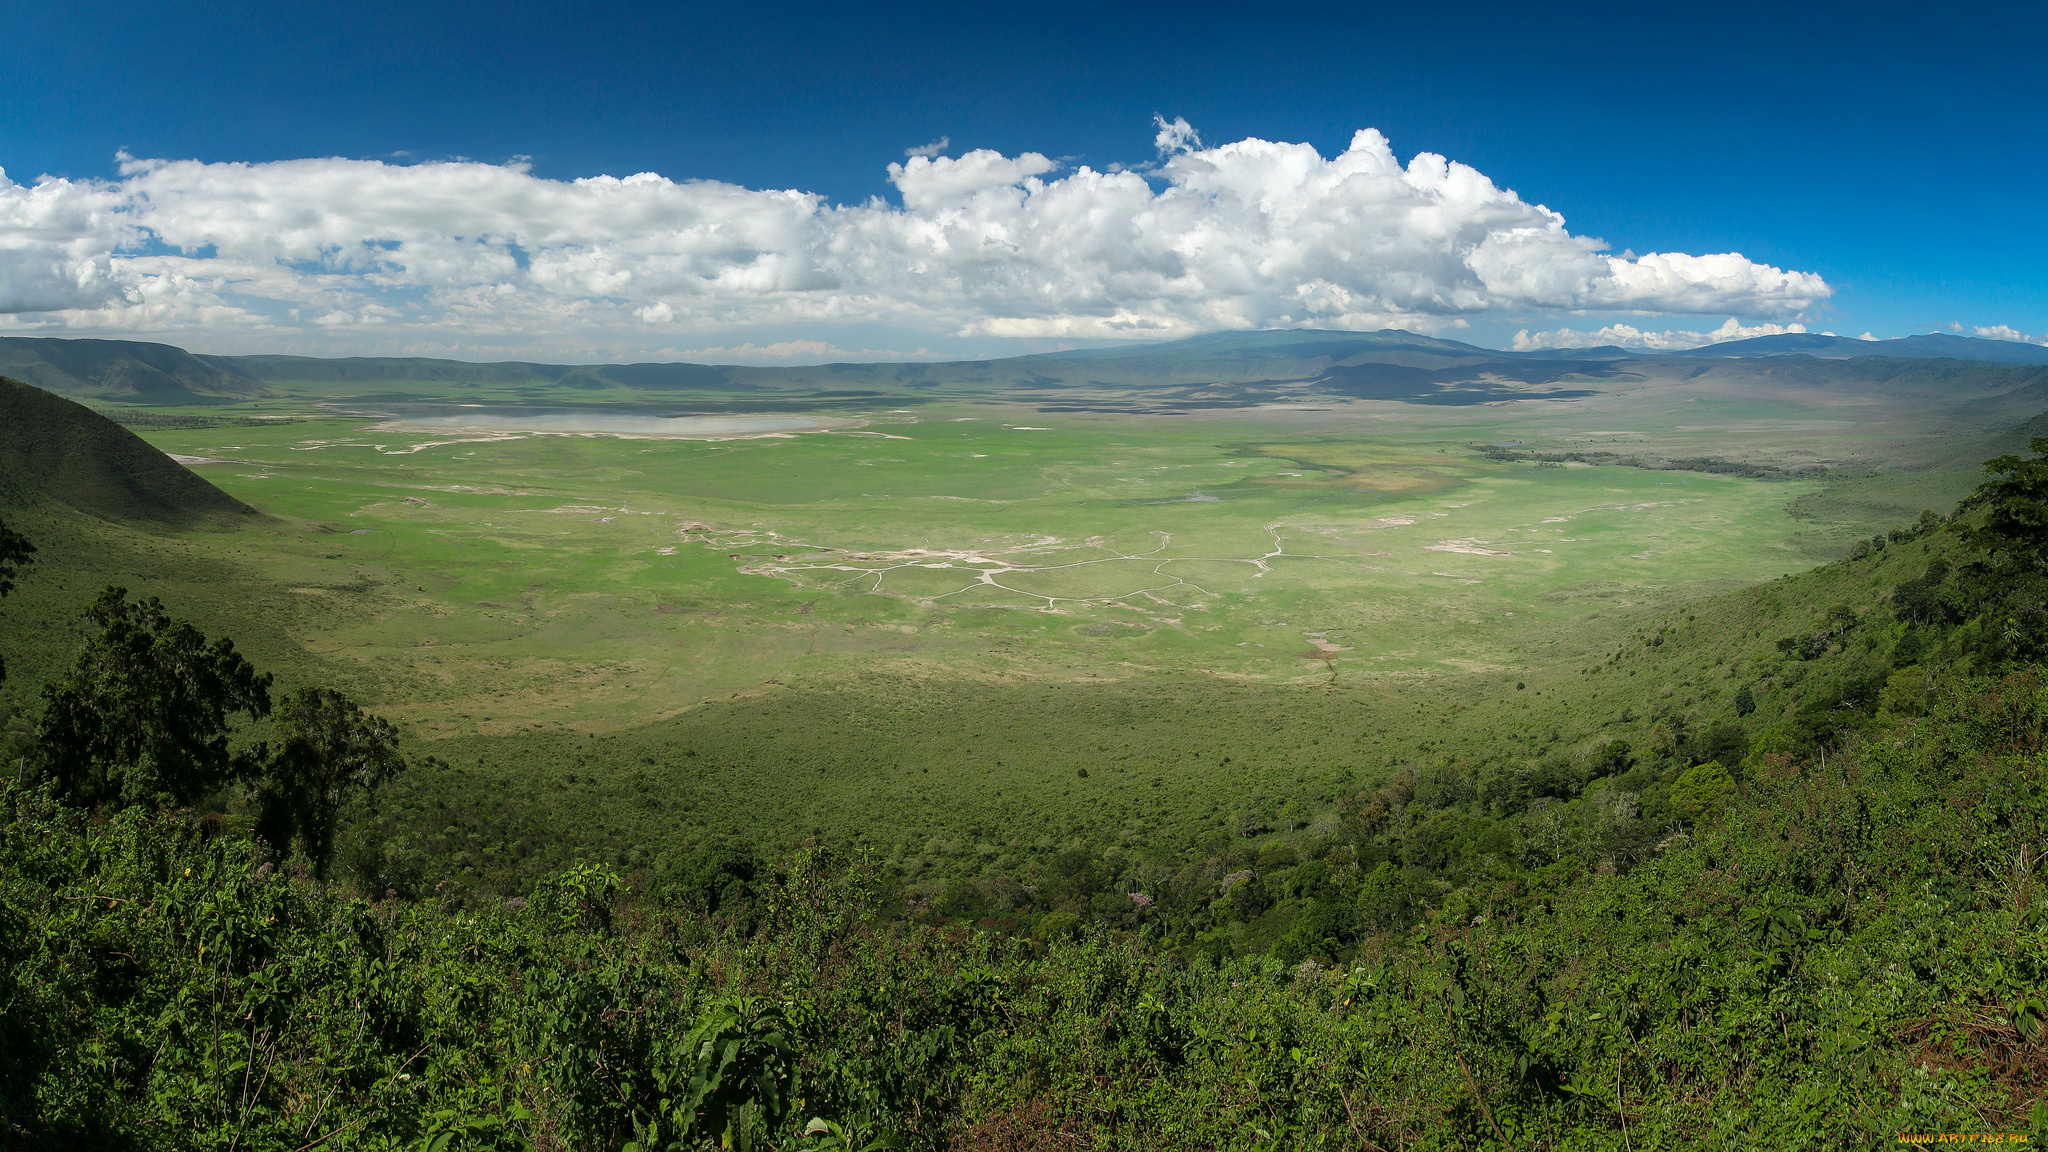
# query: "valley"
{"points": [[545, 590], [1284, 708]]}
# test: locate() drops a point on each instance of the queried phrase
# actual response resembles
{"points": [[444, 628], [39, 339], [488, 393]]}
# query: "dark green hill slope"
{"points": [[55, 449]]}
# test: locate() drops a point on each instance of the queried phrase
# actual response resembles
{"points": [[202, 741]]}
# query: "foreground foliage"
{"points": [[1839, 954]]}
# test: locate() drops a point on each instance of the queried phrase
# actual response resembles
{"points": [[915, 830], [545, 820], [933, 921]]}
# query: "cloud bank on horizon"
{"points": [[1630, 336], [357, 255]]}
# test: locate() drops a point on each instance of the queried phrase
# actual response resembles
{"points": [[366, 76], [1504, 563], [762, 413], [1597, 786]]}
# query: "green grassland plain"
{"points": [[925, 620]]}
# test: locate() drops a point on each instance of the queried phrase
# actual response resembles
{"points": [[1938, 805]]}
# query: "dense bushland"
{"points": [[1832, 956], [1806, 911]]}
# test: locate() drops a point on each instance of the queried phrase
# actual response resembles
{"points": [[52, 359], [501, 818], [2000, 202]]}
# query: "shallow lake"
{"points": [[422, 417]]}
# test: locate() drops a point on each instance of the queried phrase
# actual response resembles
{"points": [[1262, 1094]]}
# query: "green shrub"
{"points": [[1701, 791]]}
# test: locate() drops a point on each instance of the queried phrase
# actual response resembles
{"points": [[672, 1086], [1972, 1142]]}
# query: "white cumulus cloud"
{"points": [[1174, 136], [1629, 336], [2007, 332], [1249, 234]]}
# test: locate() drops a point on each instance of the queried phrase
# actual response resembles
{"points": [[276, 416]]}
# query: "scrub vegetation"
{"points": [[964, 774]]}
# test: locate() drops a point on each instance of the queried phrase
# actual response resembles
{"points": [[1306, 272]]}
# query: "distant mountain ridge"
{"points": [[1931, 346], [125, 369], [1394, 341], [1389, 364], [59, 450], [312, 369]]}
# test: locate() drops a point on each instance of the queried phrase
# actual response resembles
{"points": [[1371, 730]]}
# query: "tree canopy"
{"points": [[144, 714], [15, 551], [2015, 499], [328, 750]]}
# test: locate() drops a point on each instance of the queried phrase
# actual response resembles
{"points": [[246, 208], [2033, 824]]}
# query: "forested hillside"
{"points": [[1804, 911]]}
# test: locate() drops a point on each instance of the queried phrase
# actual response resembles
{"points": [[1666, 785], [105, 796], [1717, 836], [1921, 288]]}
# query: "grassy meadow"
{"points": [[663, 573]]}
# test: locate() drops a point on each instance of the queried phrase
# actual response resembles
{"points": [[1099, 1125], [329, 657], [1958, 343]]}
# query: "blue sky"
{"points": [[1893, 158]]}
